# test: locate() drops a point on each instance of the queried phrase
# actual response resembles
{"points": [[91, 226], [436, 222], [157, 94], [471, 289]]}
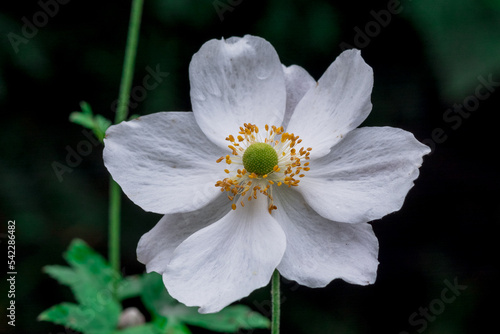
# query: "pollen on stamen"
{"points": [[242, 185]]}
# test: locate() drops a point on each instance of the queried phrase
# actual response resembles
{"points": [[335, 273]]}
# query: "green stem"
{"points": [[276, 303], [121, 115], [114, 225], [129, 62]]}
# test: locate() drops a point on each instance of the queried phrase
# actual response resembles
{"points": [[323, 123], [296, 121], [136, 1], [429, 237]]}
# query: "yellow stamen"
{"points": [[242, 185]]}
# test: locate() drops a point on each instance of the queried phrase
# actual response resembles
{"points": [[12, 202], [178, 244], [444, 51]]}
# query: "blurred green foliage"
{"points": [[462, 39], [98, 311]]}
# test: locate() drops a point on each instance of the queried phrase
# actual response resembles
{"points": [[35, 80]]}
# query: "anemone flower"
{"points": [[270, 171]]}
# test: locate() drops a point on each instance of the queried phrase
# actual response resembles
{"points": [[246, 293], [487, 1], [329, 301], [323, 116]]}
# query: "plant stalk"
{"points": [[276, 303], [121, 115], [129, 61]]}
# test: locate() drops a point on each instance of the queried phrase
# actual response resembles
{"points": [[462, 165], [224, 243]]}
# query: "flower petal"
{"points": [[339, 103], [319, 250], [227, 260], [236, 81], [297, 82], [366, 176], [163, 162], [156, 247]]}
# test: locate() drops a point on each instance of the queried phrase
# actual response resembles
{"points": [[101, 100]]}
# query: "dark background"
{"points": [[427, 56]]}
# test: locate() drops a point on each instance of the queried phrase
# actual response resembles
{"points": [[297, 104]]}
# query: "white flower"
{"points": [[298, 201]]}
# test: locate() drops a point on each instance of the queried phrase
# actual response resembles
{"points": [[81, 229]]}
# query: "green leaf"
{"points": [[66, 314], [86, 109], [95, 276], [160, 325], [86, 118], [91, 279], [77, 317], [229, 320], [82, 119], [174, 327], [101, 125], [130, 287], [140, 329], [63, 275], [154, 295]]}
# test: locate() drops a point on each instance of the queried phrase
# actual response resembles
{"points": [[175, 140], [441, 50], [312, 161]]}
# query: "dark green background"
{"points": [[426, 57]]}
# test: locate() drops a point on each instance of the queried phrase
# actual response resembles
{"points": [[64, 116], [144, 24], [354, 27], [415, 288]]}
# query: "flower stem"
{"points": [[114, 225], [276, 303], [129, 62], [121, 115]]}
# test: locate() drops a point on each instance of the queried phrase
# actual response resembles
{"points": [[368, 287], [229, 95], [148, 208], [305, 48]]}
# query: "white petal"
{"points": [[227, 260], [163, 162], [339, 103], [319, 250], [366, 176], [236, 81], [156, 247], [298, 82]]}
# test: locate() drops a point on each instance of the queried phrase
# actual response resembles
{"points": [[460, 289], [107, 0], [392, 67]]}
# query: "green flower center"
{"points": [[260, 158]]}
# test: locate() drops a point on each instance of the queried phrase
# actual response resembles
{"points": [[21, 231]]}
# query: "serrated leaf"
{"points": [[86, 118], [66, 314], [130, 287], [77, 317], [229, 320], [91, 280], [64, 275], [95, 275]]}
